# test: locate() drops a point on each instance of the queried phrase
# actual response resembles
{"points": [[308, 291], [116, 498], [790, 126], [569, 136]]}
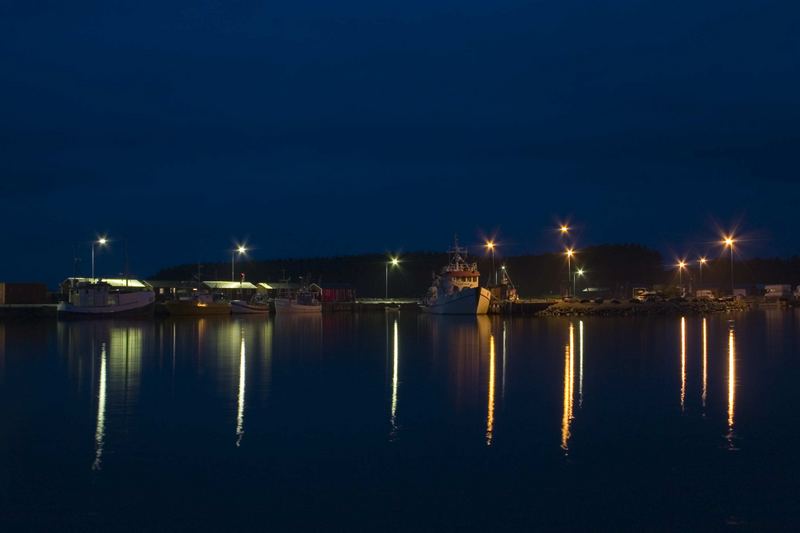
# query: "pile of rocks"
{"points": [[694, 307]]}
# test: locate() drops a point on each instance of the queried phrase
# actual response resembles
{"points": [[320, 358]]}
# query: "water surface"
{"points": [[401, 422]]}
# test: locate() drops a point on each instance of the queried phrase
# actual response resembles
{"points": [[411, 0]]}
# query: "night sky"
{"points": [[326, 128]]}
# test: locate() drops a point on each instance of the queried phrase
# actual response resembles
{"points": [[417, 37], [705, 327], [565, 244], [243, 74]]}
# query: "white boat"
{"points": [[257, 305], [304, 302], [456, 290], [99, 299]]}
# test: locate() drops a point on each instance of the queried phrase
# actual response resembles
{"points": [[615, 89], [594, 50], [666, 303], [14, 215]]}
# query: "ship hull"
{"points": [[471, 301], [239, 307], [286, 306], [192, 308], [135, 304]]}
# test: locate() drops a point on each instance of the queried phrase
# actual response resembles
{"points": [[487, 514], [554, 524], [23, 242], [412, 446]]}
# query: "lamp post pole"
{"points": [[241, 249], [393, 262], [102, 242], [729, 242]]}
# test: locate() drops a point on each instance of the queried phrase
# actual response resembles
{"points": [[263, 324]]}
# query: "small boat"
{"points": [[96, 298], [198, 305], [304, 302], [456, 290], [394, 308], [257, 305]]}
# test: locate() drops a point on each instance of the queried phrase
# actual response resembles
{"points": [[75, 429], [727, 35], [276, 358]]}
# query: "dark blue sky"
{"points": [[319, 127]]}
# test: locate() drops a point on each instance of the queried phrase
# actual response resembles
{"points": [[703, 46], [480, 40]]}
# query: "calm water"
{"points": [[354, 422]]}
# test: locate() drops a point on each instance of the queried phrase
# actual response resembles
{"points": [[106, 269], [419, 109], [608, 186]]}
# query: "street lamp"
{"points": [[569, 253], [578, 272], [490, 246], [102, 241], [701, 263], [564, 229], [728, 241], [394, 262], [241, 250], [681, 266]]}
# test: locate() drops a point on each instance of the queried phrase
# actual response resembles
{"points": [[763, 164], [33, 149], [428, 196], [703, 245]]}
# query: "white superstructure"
{"points": [[456, 289]]}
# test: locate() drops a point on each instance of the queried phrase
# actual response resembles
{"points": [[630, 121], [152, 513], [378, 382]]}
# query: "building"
{"points": [[23, 293], [279, 289], [232, 290], [118, 283], [334, 292]]}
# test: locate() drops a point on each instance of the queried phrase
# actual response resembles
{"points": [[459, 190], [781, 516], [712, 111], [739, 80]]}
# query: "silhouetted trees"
{"points": [[618, 267]]}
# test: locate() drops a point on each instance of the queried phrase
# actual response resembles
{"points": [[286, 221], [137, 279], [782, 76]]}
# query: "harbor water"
{"points": [[401, 422]]}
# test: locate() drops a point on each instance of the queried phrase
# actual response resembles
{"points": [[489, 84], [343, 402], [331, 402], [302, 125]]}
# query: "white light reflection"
{"points": [[705, 364], [503, 392], [569, 381], [395, 378], [100, 430], [240, 410], [580, 368], [490, 394], [731, 385], [683, 363]]}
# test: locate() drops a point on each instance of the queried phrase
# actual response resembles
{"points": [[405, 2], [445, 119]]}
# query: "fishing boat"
{"points": [[98, 298], [198, 305], [456, 289], [257, 305], [304, 301]]}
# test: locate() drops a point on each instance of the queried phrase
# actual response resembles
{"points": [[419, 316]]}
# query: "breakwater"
{"points": [[697, 307]]}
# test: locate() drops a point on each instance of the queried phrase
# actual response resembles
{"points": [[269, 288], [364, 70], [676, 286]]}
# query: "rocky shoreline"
{"points": [[698, 307]]}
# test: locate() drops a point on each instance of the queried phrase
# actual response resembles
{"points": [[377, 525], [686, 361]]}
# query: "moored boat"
{"points": [[97, 298], [257, 305], [197, 305], [304, 302], [456, 289]]}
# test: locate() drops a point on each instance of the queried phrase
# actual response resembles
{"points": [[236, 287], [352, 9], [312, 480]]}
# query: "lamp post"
{"points": [[102, 241], [569, 253], [578, 272], [490, 247], [393, 261], [729, 241], [681, 266], [241, 250], [700, 263]]}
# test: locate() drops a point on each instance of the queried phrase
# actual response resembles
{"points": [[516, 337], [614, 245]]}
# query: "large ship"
{"points": [[99, 298], [456, 289]]}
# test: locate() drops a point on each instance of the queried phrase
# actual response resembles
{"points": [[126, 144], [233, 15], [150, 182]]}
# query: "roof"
{"points": [[231, 285], [278, 285], [159, 283], [114, 282]]}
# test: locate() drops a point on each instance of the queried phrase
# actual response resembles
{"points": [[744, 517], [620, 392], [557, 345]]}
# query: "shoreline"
{"points": [[622, 309]]}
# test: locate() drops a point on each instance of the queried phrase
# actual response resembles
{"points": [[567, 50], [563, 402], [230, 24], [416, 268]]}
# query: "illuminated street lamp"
{"points": [[394, 262], [490, 246], [241, 250], [578, 272], [569, 253], [681, 267], [564, 229], [102, 241], [701, 263], [728, 241]]}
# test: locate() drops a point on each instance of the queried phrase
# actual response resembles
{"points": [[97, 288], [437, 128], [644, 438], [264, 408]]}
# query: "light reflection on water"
{"points": [[731, 385], [316, 391]]}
